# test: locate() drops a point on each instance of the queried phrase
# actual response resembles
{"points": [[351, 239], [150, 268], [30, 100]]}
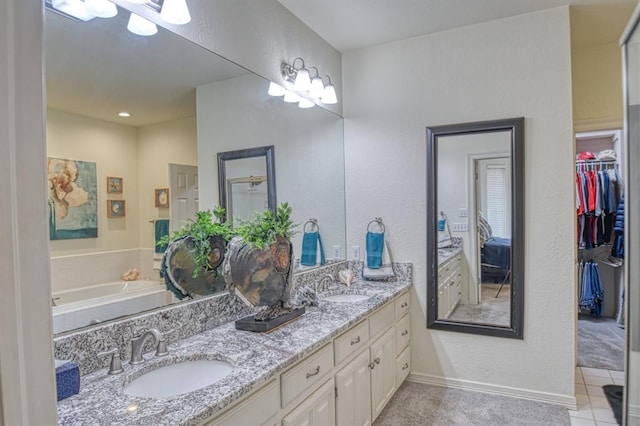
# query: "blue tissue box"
{"points": [[67, 380]]}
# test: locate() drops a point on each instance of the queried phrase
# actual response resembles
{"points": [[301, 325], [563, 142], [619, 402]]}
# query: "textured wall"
{"points": [[507, 68]]}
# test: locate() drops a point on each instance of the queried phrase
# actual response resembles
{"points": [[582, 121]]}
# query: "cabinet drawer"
{"points": [[382, 319], [403, 334], [403, 365], [402, 305], [306, 374], [351, 341], [262, 405]]}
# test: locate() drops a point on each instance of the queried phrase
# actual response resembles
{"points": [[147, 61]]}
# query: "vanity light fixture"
{"points": [[101, 8], [291, 97], [76, 10], [276, 90], [305, 103], [329, 94], [140, 26], [175, 12], [317, 85], [303, 83]]}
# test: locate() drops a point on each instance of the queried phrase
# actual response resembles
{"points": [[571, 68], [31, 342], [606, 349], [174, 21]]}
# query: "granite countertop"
{"points": [[444, 254], [257, 358]]}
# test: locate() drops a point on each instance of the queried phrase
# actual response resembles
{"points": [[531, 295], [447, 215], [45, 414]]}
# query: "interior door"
{"points": [[183, 190]]}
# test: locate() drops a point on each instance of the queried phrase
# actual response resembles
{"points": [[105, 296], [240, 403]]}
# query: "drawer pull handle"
{"points": [[315, 372], [371, 366], [405, 366], [404, 305], [377, 360], [404, 333], [355, 341]]}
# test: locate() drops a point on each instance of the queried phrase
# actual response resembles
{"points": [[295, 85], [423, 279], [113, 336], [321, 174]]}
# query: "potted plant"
{"points": [[258, 268], [193, 258]]}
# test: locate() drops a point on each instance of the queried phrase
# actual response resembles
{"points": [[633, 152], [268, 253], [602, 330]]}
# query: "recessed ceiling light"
{"points": [[124, 114]]}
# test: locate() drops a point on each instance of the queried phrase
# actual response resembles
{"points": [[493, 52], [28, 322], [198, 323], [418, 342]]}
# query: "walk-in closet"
{"points": [[600, 230]]}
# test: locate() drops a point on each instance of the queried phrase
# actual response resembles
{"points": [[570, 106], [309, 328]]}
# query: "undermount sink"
{"points": [[178, 378], [347, 298]]}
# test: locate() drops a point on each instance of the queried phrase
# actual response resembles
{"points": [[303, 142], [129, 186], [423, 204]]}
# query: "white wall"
{"points": [[508, 68], [158, 145], [114, 149]]}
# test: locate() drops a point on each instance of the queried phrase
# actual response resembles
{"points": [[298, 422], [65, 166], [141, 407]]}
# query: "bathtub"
{"points": [[88, 305]]}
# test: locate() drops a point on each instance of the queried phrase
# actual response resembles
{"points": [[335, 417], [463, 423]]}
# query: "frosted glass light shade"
{"points": [[303, 82], [175, 12], [139, 25], [317, 88], [329, 95], [276, 89], [305, 103], [137, 1], [291, 97], [102, 8], [76, 8]]}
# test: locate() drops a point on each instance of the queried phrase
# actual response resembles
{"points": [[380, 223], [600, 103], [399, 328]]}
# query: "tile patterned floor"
{"points": [[593, 408]]}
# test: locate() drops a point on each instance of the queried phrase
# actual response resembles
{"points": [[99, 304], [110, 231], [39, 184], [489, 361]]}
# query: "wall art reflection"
{"points": [[72, 203]]}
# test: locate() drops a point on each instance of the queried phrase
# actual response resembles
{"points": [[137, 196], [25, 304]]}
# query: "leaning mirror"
{"points": [[247, 181], [475, 263]]}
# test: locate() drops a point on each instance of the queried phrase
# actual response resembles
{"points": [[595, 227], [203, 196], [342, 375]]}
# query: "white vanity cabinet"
{"points": [[317, 410], [346, 382], [451, 275]]}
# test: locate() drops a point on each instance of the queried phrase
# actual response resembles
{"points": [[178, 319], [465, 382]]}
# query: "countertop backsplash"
{"points": [[181, 320]]}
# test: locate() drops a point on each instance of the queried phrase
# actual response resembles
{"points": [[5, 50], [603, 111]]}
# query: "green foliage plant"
{"points": [[263, 229], [208, 223]]}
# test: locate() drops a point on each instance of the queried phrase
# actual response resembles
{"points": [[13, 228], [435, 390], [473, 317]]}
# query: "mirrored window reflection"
{"points": [[246, 181], [474, 228]]}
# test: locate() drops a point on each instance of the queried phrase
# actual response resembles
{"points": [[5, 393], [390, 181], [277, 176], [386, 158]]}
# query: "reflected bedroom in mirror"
{"points": [[475, 227], [138, 121]]}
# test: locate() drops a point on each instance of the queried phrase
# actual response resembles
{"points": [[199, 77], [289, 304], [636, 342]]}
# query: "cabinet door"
{"points": [[353, 394], [317, 410], [383, 375]]}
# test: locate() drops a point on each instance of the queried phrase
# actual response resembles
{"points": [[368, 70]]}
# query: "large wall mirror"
{"points": [[475, 234], [158, 166]]}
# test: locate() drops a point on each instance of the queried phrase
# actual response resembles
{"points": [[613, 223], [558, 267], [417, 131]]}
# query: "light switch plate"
{"points": [[462, 212]]}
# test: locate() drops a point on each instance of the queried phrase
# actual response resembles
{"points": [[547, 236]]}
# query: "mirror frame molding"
{"points": [[263, 151], [516, 127]]}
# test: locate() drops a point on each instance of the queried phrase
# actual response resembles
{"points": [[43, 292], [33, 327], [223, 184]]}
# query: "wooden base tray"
{"points": [[251, 324]]}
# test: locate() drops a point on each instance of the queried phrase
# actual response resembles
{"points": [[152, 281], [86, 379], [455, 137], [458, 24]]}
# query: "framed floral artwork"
{"points": [[116, 208], [162, 198], [114, 185]]}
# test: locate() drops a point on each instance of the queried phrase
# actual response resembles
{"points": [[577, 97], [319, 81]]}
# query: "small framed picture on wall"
{"points": [[114, 185], [116, 208], [162, 198]]}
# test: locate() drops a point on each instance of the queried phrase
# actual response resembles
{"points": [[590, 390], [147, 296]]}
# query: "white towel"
{"points": [[386, 269]]}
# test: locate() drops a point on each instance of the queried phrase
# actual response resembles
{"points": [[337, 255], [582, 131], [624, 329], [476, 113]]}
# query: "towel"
{"points": [[311, 241], [161, 230], [378, 265]]}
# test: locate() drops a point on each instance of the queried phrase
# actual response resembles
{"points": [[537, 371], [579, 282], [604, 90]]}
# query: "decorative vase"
{"points": [[178, 265]]}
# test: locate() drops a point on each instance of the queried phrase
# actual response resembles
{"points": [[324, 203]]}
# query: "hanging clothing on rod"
{"points": [[596, 202], [591, 291]]}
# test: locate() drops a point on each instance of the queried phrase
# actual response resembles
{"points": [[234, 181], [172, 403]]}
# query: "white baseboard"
{"points": [[566, 401]]}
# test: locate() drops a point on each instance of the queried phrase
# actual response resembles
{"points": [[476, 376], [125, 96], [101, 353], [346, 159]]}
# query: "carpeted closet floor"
{"points": [[600, 343], [417, 404]]}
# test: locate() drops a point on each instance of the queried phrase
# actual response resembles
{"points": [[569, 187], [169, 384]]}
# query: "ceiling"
{"points": [[98, 68], [355, 24]]}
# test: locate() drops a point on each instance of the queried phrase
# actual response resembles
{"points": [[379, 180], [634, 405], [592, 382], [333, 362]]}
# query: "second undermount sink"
{"points": [[176, 379], [347, 298]]}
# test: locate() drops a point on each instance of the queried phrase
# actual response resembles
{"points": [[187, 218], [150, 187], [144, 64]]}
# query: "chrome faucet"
{"points": [[324, 282], [137, 344]]}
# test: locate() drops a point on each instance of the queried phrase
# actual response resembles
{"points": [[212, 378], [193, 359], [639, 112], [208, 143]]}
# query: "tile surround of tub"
{"points": [[82, 270], [181, 320]]}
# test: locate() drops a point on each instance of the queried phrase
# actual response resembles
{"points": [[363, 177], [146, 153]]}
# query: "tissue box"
{"points": [[67, 380]]}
